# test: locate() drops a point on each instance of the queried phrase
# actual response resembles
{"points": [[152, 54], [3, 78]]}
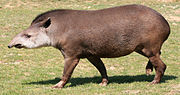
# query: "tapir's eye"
{"points": [[27, 35]]}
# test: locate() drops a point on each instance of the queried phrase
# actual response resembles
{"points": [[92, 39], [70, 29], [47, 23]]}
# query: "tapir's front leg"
{"points": [[70, 64]]}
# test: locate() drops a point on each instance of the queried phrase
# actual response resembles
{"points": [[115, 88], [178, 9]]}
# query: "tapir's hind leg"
{"points": [[158, 64], [149, 67], [97, 62]]}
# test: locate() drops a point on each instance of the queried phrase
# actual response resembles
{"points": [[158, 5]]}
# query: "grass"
{"points": [[27, 72]]}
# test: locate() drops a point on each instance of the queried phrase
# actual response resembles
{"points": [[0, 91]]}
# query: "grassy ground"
{"points": [[27, 72]]}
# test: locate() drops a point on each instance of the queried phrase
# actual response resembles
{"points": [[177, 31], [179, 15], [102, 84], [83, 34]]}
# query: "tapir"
{"points": [[95, 34]]}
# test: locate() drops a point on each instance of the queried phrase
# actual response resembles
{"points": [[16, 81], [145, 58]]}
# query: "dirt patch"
{"points": [[3, 36], [12, 5], [131, 91], [16, 62], [19, 3], [168, 0], [84, 66], [176, 90], [177, 11], [174, 18]]}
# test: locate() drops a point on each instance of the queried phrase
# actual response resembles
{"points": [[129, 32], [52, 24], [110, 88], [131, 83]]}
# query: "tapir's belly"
{"points": [[112, 50]]}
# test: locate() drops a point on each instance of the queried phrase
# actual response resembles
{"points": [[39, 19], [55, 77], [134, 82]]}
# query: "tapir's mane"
{"points": [[47, 14]]}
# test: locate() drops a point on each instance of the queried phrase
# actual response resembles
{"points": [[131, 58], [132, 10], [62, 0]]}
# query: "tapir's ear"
{"points": [[46, 23]]}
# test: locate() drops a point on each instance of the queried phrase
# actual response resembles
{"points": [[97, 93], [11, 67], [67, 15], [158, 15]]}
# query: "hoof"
{"points": [[148, 72], [154, 82], [103, 84], [59, 85]]}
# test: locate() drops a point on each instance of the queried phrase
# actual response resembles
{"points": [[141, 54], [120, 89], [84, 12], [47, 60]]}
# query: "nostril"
{"points": [[18, 45]]}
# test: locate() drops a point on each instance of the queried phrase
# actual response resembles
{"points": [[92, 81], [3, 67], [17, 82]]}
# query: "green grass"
{"points": [[28, 72]]}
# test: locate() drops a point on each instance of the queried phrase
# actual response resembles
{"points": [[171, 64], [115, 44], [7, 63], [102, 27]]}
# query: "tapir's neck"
{"points": [[57, 33], [56, 39]]}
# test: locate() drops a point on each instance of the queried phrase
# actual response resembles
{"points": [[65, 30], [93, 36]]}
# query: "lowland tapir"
{"points": [[95, 34]]}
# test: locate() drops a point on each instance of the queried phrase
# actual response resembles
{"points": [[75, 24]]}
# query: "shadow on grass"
{"points": [[112, 79]]}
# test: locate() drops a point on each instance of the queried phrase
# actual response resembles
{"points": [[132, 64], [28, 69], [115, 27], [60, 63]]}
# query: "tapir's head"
{"points": [[34, 36]]}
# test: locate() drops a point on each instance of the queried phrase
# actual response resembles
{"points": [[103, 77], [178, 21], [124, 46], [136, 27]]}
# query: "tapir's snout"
{"points": [[16, 42], [10, 46], [16, 45]]}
